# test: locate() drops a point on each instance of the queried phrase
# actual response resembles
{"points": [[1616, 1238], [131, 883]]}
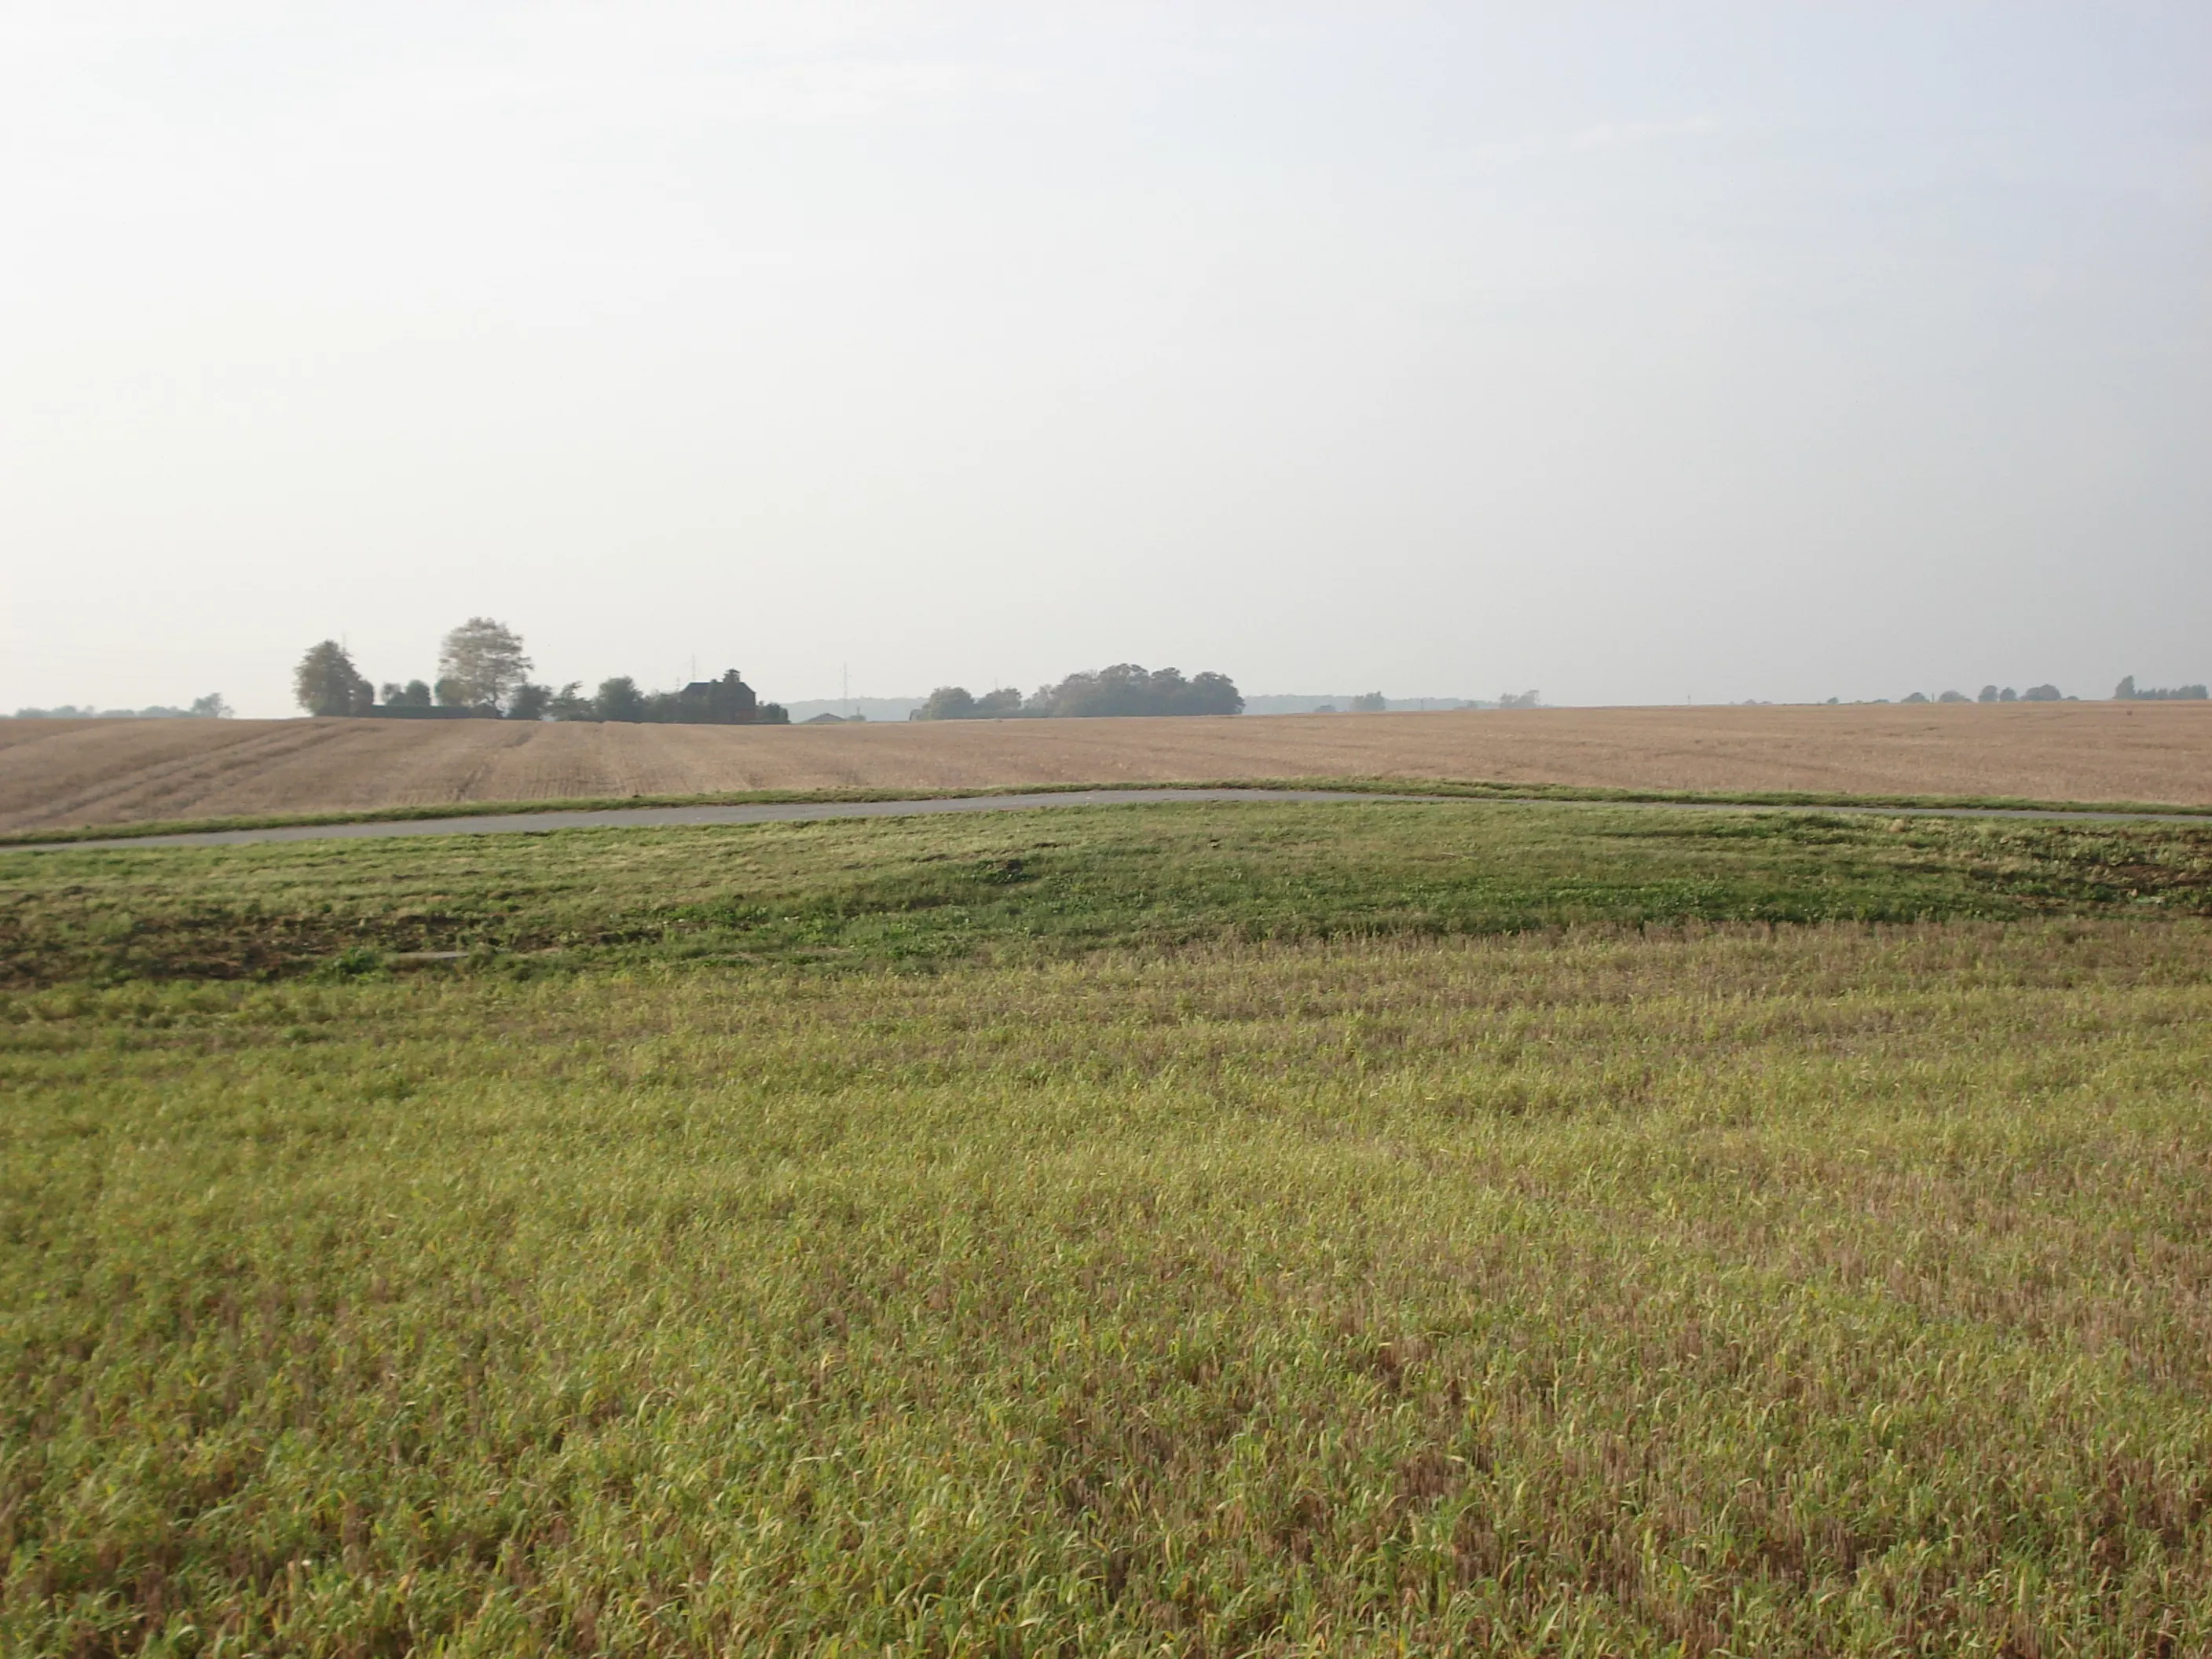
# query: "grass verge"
{"points": [[1468, 789]]}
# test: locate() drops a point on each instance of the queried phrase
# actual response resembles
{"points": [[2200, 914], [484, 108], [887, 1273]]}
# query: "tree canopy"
{"points": [[725, 702], [1126, 689], [2128, 691], [481, 664], [326, 682], [483, 673], [1122, 689], [955, 702]]}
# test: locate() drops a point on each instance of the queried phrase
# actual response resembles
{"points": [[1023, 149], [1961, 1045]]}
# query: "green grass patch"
{"points": [[1472, 789], [1192, 1228], [931, 890], [1831, 1291]]}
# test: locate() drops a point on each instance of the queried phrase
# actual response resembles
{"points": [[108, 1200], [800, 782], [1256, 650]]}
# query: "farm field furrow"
{"points": [[123, 771]]}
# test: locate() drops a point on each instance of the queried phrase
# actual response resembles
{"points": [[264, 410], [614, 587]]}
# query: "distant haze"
{"points": [[1636, 352]]}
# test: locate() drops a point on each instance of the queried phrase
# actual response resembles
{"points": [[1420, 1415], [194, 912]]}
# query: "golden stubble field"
{"points": [[60, 772]]}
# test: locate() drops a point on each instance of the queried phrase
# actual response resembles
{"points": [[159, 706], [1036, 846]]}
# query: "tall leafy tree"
{"points": [[619, 699], [569, 703], [948, 702], [326, 682], [530, 701], [482, 664]]}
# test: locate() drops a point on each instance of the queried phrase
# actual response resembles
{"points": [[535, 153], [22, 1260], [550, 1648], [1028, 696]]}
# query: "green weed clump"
{"points": [[917, 892], [1832, 1290]]}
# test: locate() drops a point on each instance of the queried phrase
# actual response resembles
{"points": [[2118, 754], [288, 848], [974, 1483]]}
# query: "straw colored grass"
{"points": [[96, 772]]}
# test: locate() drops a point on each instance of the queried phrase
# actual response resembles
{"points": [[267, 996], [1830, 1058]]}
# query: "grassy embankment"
{"points": [[431, 811], [1205, 1254]]}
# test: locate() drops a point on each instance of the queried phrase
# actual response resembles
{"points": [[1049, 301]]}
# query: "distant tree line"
{"points": [[1374, 702], [210, 707], [1125, 688], [725, 702], [1364, 702], [2128, 691], [484, 673], [2125, 691], [1990, 694]]}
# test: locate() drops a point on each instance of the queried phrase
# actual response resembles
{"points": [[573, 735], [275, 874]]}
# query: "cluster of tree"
{"points": [[725, 702], [1990, 694], [484, 673], [1374, 702], [210, 707], [1365, 702], [1124, 688], [958, 702], [2128, 691]]}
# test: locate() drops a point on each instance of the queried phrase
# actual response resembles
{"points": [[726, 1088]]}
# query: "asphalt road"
{"points": [[494, 823]]}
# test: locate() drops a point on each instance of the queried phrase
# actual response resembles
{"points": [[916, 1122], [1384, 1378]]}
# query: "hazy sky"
{"points": [[1634, 352]]}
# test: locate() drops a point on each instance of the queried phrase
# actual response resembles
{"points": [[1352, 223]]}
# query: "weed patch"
{"points": [[920, 892]]}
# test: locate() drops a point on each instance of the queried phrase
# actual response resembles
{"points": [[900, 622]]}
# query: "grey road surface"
{"points": [[494, 823]]}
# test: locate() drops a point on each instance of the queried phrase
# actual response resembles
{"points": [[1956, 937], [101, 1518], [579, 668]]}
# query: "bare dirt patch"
{"points": [[128, 771]]}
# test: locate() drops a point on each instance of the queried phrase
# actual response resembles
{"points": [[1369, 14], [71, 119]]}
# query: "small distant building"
{"points": [[725, 702]]}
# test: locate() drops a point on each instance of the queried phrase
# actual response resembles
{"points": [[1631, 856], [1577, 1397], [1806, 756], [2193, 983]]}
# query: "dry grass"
{"points": [[67, 773]]}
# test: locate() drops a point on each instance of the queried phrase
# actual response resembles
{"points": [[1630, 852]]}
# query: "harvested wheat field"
{"points": [[58, 773]]}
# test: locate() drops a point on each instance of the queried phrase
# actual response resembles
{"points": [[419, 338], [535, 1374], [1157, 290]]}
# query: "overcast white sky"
{"points": [[1636, 352]]}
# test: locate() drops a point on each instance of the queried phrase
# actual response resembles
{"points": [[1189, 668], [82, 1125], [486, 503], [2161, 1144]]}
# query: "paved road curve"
{"points": [[493, 824]]}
